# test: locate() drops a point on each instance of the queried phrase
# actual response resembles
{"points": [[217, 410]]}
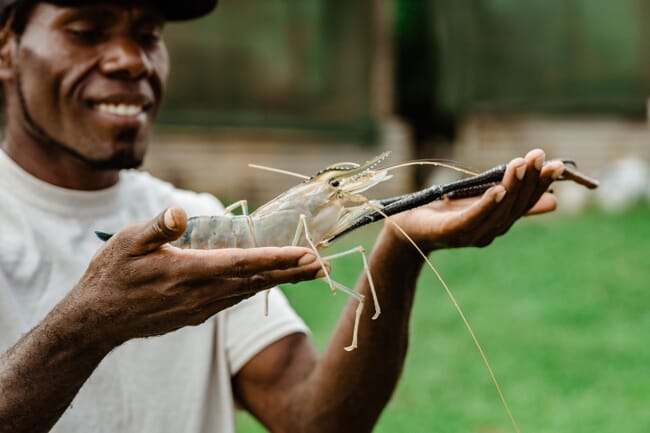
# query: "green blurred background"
{"points": [[561, 308], [560, 303], [309, 63]]}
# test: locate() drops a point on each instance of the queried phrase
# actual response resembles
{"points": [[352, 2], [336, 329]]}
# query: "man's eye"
{"points": [[149, 38], [86, 35]]}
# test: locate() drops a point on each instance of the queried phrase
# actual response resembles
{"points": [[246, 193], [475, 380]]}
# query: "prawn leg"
{"points": [[303, 228], [243, 204], [357, 315], [366, 268]]}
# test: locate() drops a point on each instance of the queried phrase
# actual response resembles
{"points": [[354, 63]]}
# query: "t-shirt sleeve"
{"points": [[248, 330]]}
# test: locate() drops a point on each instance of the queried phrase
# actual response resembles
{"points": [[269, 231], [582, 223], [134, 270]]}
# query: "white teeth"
{"points": [[120, 109]]}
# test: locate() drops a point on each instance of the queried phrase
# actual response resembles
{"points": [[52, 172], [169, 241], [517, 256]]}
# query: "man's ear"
{"points": [[7, 50]]}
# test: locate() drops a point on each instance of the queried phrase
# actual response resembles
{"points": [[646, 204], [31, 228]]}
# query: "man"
{"points": [[83, 82]]}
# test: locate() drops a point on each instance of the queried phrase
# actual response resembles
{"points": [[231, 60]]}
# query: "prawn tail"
{"points": [[103, 236]]}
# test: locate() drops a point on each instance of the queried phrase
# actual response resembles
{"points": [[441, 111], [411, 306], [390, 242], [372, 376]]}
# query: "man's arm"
{"points": [[289, 388], [43, 371], [135, 286]]}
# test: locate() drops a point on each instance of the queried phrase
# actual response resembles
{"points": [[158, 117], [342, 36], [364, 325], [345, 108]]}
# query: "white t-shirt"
{"points": [[179, 382]]}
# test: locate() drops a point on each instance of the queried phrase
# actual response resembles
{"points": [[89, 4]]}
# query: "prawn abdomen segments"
{"points": [[215, 231]]}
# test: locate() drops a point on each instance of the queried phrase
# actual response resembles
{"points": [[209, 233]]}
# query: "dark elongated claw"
{"points": [[569, 173], [469, 187]]}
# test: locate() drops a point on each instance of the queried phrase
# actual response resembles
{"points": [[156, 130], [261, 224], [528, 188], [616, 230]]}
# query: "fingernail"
{"points": [[520, 171], [499, 196], [169, 220], [539, 162], [555, 175], [307, 259]]}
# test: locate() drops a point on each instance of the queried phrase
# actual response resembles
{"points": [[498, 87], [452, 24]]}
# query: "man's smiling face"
{"points": [[90, 80]]}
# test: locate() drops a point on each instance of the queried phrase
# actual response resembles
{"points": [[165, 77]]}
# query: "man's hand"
{"points": [[138, 285], [477, 222]]}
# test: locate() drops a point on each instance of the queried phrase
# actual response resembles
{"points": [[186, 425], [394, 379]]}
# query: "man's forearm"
{"points": [[348, 390], [44, 370]]}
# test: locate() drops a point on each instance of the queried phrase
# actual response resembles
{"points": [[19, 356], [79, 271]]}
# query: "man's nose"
{"points": [[125, 58]]}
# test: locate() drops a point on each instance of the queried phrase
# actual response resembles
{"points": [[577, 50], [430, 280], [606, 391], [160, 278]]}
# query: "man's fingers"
{"points": [[504, 212], [520, 180], [490, 199], [502, 205], [473, 218], [296, 275], [546, 203], [526, 181], [245, 286], [242, 263], [146, 237]]}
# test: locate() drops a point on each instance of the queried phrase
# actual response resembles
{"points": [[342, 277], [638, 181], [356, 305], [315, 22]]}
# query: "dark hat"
{"points": [[172, 10]]}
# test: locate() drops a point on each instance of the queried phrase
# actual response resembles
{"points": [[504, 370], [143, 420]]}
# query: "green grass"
{"points": [[561, 306]]}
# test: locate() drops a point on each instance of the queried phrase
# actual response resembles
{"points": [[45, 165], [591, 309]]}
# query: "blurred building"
{"points": [[301, 84], [290, 84]]}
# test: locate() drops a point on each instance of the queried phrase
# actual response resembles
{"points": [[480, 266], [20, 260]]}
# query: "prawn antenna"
{"points": [[462, 316], [435, 162], [278, 170]]}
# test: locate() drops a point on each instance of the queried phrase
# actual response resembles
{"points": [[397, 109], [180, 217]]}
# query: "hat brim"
{"points": [[172, 10]]}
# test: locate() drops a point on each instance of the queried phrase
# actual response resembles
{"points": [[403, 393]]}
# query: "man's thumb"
{"points": [[167, 226]]}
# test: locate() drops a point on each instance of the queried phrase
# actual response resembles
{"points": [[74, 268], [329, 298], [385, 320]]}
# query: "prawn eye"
{"points": [[335, 183]]}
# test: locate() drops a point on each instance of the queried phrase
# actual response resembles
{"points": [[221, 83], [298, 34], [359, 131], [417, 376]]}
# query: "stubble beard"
{"points": [[123, 158]]}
